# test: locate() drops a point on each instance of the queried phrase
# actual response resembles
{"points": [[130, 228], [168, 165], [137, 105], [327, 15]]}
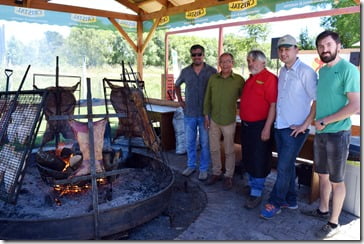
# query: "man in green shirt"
{"points": [[222, 92], [338, 97]]}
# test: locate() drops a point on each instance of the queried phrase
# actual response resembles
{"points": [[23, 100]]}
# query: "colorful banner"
{"points": [[48, 17], [232, 10]]}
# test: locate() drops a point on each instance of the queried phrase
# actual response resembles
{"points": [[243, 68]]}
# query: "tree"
{"points": [[121, 51], [154, 53], [347, 25], [95, 45], [306, 42], [50, 47], [249, 37]]}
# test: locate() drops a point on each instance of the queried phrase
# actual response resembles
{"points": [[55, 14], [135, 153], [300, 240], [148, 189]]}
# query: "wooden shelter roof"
{"points": [[143, 9]]}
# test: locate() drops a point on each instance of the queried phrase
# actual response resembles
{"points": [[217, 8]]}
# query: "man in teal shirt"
{"points": [[222, 92], [338, 97]]}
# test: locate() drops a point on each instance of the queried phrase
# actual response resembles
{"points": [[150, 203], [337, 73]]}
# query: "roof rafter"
{"points": [[39, 4], [184, 8]]}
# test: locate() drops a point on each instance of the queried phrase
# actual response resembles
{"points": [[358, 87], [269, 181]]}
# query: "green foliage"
{"points": [[347, 25], [94, 45], [18, 52], [306, 42], [182, 44], [154, 53], [121, 51]]}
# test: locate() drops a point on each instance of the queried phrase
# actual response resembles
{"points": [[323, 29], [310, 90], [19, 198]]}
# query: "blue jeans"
{"points": [[256, 186], [288, 148], [191, 126]]}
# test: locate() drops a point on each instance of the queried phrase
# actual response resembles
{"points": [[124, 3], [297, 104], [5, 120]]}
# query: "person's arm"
{"points": [[265, 135], [349, 109], [303, 127], [179, 96], [207, 105]]}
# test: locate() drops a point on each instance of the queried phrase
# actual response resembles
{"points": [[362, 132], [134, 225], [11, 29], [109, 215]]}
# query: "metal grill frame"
{"points": [[22, 149]]}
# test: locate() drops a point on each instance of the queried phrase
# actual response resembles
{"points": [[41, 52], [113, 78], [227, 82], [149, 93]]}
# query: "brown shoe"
{"points": [[213, 179], [253, 202], [228, 183]]}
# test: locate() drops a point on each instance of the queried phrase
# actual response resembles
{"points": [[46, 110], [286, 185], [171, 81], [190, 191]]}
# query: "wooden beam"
{"points": [[128, 4], [150, 34], [40, 4], [183, 8], [123, 33], [139, 48]]}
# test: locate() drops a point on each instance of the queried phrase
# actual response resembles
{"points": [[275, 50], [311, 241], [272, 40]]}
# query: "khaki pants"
{"points": [[228, 132]]}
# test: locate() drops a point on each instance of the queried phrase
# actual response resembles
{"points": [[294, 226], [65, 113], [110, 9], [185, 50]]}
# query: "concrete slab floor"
{"points": [[225, 218]]}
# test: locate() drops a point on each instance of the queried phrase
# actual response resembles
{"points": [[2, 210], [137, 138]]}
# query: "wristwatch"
{"points": [[322, 123]]}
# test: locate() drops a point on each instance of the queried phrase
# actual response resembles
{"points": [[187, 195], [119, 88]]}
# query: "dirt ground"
{"points": [[186, 203]]}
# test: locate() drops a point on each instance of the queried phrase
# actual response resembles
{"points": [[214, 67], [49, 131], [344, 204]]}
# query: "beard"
{"points": [[329, 58]]}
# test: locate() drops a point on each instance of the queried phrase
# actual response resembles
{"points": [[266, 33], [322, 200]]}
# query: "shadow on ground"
{"points": [[186, 203]]}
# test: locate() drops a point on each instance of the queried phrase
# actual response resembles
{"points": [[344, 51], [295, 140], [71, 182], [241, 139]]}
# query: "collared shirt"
{"points": [[221, 96], [260, 90], [334, 84], [195, 88], [296, 92]]}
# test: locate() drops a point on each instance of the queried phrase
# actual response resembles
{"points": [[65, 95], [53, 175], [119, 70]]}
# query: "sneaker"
{"points": [[228, 183], [327, 231], [270, 211], [289, 206], [315, 213], [213, 179], [252, 202], [202, 175], [246, 190], [188, 171]]}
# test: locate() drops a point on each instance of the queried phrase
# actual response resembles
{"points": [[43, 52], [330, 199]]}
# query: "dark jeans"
{"points": [[288, 148]]}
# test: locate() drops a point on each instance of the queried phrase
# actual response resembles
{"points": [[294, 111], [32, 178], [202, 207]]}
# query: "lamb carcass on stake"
{"points": [[64, 98], [130, 101]]}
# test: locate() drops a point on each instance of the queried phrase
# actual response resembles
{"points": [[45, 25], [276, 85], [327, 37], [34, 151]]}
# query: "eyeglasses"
{"points": [[196, 54]]}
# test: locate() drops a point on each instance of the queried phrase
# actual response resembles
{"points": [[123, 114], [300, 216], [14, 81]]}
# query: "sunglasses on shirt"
{"points": [[196, 54]]}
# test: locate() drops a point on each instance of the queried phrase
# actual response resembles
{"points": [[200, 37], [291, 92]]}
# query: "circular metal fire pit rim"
{"points": [[111, 220]]}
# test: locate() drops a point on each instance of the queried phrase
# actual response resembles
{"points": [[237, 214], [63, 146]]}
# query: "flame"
{"points": [[70, 189], [67, 161]]}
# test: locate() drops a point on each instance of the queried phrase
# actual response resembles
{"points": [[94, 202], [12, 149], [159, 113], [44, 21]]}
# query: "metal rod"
{"points": [[92, 160], [8, 73], [58, 100], [12, 105]]}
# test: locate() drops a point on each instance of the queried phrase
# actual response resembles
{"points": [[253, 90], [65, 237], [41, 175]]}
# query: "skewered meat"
{"points": [[5, 113], [60, 101], [81, 132], [10, 161], [20, 126], [130, 101]]}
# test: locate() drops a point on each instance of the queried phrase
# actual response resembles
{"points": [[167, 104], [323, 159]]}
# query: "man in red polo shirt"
{"points": [[257, 113]]}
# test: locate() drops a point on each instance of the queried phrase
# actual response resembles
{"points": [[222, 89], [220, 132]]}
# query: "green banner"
{"points": [[232, 10], [48, 17]]}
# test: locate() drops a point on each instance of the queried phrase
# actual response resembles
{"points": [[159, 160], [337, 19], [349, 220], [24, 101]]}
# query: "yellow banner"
{"points": [[241, 5], [197, 13], [164, 20], [83, 18]]}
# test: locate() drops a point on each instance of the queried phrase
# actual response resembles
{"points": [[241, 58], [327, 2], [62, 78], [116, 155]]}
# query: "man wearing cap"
{"points": [[295, 111]]}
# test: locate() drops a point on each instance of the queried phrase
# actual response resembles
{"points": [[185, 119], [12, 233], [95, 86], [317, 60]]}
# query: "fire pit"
{"points": [[137, 195], [94, 201]]}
